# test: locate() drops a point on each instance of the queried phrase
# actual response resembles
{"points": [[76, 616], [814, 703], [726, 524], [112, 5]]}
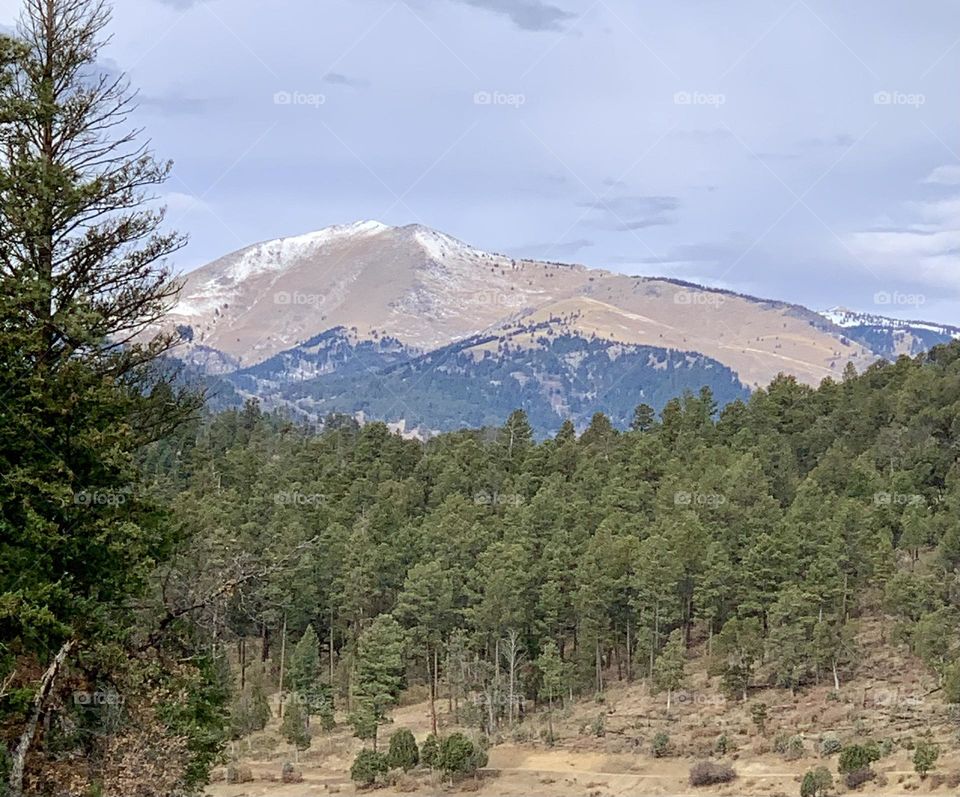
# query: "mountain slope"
{"points": [[427, 290]]}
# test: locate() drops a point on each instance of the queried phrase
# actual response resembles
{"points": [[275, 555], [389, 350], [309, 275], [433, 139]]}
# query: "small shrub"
{"points": [[723, 746], [857, 757], [857, 777], [794, 748], [367, 767], [758, 712], [830, 745], [661, 745], [403, 753], [953, 779], [290, 774], [816, 783], [430, 752], [239, 773], [924, 758], [598, 726], [710, 773], [460, 756]]}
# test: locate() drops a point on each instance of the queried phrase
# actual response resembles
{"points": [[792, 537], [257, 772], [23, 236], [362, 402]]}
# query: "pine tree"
{"points": [[378, 676], [553, 678], [82, 279], [294, 727], [668, 671], [304, 672]]}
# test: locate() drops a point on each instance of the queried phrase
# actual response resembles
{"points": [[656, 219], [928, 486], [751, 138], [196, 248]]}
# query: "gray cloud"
{"points": [[533, 15], [551, 251], [339, 79], [176, 104], [626, 213]]}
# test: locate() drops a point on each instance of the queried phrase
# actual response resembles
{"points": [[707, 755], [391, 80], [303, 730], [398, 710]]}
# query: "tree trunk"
{"points": [[431, 675], [283, 654], [19, 757], [629, 655], [331, 651], [243, 662], [836, 677]]}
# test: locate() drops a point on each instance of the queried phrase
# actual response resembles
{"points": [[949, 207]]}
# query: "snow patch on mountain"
{"points": [[846, 319]]}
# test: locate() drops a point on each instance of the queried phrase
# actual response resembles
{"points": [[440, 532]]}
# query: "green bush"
{"points": [[661, 745], [794, 748], [857, 756], [722, 747], [430, 752], [829, 745], [816, 783], [459, 756], [403, 753], [924, 757], [367, 767]]}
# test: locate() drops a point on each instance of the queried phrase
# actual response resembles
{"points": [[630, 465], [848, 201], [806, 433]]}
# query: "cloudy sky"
{"points": [[799, 149]]}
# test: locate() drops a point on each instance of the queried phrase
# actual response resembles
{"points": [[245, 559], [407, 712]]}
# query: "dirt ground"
{"points": [[604, 749]]}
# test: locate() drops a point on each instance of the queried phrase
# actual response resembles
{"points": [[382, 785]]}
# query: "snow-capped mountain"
{"points": [[428, 290], [891, 337]]}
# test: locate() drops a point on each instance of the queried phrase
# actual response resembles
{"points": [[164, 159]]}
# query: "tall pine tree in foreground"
{"points": [[82, 278]]}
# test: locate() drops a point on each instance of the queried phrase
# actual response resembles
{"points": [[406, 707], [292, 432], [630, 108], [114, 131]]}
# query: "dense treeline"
{"points": [[497, 568]]}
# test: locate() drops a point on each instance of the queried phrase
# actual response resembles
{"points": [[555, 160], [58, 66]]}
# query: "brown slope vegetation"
{"points": [[603, 748]]}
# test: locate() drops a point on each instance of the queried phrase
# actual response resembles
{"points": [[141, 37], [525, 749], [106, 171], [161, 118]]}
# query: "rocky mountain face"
{"points": [[411, 326]]}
